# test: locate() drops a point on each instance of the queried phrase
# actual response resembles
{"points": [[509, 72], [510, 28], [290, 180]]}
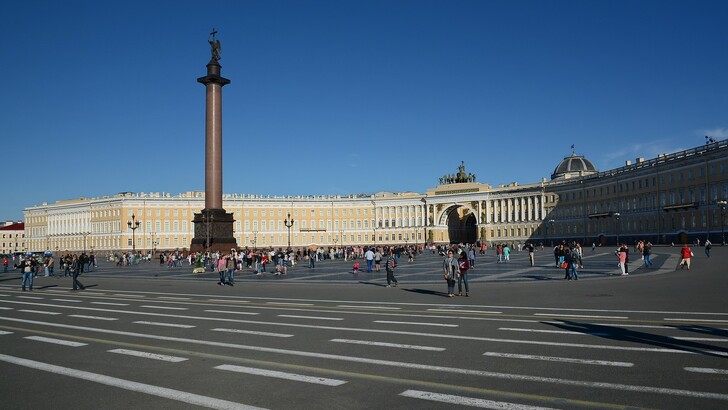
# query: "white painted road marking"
{"points": [[689, 320], [42, 312], [232, 313], [110, 303], [468, 401], [414, 323], [55, 341], [142, 322], [163, 307], [404, 365], [558, 359], [68, 300], [370, 307], [147, 355], [3, 332], [30, 297], [281, 375], [93, 317], [181, 396], [562, 332], [251, 332], [383, 344], [462, 311], [312, 317], [289, 304], [580, 316], [706, 370]]}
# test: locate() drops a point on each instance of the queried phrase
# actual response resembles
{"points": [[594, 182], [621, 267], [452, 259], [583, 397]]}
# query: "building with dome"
{"points": [[672, 198], [573, 166]]}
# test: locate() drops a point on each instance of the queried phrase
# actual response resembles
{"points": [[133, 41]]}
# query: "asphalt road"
{"points": [[152, 337]]}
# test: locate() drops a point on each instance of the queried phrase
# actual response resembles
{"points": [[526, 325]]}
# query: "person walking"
{"points": [[506, 253], [685, 255], [647, 254], [5, 264], [531, 253], [451, 268], [389, 266], [708, 245], [464, 265], [75, 271], [572, 258], [622, 255]]}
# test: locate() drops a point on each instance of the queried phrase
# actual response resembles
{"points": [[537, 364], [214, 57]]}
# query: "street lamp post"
{"points": [[133, 225], [551, 231], [289, 223], [617, 215], [722, 220]]}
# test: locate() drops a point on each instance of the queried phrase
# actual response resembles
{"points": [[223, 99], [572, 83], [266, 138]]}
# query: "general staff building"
{"points": [[672, 198]]}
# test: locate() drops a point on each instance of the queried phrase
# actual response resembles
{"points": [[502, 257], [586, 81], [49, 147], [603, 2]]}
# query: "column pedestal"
{"points": [[213, 231]]}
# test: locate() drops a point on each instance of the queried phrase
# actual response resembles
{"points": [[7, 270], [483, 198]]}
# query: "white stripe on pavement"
{"points": [[289, 303], [562, 332], [68, 300], [42, 312], [147, 355], [251, 332], [228, 300], [689, 320], [312, 317], [93, 317], [414, 323], [384, 344], [128, 296], [462, 311], [3, 332], [584, 316], [405, 365], [171, 394], [468, 401], [143, 322], [110, 303], [163, 307], [558, 359], [30, 297], [173, 298], [5, 308], [55, 341], [706, 370], [231, 312], [702, 339], [370, 307], [281, 375]]}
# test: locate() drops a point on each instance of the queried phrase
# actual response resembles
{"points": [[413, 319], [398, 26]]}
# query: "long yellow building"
{"points": [[672, 198]]}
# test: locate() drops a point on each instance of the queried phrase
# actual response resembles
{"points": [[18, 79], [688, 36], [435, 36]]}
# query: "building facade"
{"points": [[12, 238], [669, 199]]}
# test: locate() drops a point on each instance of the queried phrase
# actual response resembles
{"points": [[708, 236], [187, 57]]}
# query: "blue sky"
{"points": [[339, 97]]}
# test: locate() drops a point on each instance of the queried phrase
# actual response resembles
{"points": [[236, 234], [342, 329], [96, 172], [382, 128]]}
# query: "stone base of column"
{"points": [[213, 231]]}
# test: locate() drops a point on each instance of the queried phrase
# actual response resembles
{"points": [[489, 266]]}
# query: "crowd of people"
{"points": [[458, 259]]}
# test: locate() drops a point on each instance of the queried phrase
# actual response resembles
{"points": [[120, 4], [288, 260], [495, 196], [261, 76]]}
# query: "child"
{"points": [[356, 267]]}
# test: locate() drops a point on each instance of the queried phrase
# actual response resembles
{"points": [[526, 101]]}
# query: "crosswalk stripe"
{"points": [[171, 394], [42, 312], [252, 332], [468, 401], [281, 375], [384, 344], [147, 355], [558, 359], [143, 322], [93, 317], [394, 322], [312, 317], [163, 307], [706, 370], [55, 341], [232, 312]]}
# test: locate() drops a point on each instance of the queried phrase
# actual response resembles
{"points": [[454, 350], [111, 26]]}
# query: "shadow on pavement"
{"points": [[704, 330], [618, 333], [427, 292]]}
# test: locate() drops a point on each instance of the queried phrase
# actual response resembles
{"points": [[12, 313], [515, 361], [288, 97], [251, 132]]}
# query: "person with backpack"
{"points": [[389, 266], [451, 268]]}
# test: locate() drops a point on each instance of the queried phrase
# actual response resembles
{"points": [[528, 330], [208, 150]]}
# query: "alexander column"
{"points": [[213, 226]]}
